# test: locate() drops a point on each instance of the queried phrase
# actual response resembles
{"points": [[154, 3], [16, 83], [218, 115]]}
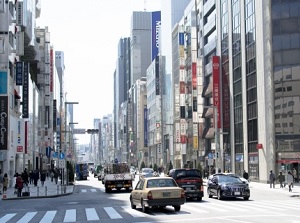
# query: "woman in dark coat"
{"points": [[43, 178], [35, 177]]}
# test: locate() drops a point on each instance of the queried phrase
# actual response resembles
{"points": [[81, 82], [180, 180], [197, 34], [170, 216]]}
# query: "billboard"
{"points": [[156, 23], [17, 134], [3, 122]]}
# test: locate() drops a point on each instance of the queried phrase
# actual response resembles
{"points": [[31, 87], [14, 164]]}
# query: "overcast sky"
{"points": [[88, 32]]}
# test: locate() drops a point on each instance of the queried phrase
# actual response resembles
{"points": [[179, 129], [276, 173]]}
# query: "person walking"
{"points": [[295, 175], [56, 176], [272, 179], [246, 175], [43, 178], [5, 183], [36, 177], [19, 185], [281, 179], [1, 182], [290, 180]]}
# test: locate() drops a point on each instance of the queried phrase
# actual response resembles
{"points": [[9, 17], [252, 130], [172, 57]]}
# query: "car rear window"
{"points": [[187, 173], [161, 183]]}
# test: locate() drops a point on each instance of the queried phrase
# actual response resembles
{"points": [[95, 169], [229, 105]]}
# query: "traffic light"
{"points": [[92, 131], [217, 155]]}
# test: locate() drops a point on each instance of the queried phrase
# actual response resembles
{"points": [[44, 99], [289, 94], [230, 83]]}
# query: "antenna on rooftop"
{"points": [[145, 5]]}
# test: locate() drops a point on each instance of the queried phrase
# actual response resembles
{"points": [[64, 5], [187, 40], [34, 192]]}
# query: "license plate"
{"points": [[119, 185], [188, 188], [166, 194], [237, 193]]}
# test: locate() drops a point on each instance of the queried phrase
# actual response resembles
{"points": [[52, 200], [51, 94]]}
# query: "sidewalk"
{"points": [[50, 189], [264, 186]]}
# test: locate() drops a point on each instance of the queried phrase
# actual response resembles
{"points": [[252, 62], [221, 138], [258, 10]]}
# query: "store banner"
{"points": [[3, 122], [25, 101], [216, 87], [17, 134], [19, 73], [3, 82]]}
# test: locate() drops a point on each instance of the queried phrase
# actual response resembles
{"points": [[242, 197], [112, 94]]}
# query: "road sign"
{"points": [[55, 155], [61, 164], [61, 156], [79, 131]]}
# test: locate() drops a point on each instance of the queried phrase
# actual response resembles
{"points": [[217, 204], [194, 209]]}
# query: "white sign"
{"points": [[61, 163], [210, 162]]}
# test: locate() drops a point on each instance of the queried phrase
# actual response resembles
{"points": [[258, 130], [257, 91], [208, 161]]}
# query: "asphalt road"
{"points": [[89, 203]]}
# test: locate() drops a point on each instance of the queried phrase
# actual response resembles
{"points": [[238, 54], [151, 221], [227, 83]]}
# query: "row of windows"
{"points": [[286, 73], [283, 11], [287, 57], [252, 110], [278, 125], [252, 130], [291, 25], [286, 41]]}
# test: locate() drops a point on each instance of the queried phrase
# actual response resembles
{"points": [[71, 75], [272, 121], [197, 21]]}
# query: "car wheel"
{"points": [[246, 198], [208, 193], [177, 207], [107, 190], [144, 208], [219, 194], [132, 205], [199, 198]]}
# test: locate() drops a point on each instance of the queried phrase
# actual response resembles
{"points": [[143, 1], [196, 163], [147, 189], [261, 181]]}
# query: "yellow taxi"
{"points": [[157, 192]]}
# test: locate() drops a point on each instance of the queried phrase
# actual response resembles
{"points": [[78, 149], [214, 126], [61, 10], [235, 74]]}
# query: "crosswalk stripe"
{"points": [[91, 214], [211, 207], [48, 217], [70, 215], [83, 190], [93, 190], [7, 217], [282, 205], [27, 217], [113, 214], [133, 213], [263, 207], [194, 209]]}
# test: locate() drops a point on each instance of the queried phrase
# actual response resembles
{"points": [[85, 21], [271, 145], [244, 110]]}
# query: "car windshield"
{"points": [[229, 179], [161, 183], [187, 173]]}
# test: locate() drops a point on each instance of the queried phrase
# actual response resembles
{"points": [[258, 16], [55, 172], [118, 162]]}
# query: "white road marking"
{"points": [[113, 214], [7, 217], [70, 215], [27, 217], [48, 217], [91, 214]]}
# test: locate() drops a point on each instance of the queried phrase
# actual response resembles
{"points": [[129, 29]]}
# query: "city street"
{"points": [[89, 203]]}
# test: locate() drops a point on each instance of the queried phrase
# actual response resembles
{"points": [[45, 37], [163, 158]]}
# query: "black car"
{"points": [[190, 180], [225, 185]]}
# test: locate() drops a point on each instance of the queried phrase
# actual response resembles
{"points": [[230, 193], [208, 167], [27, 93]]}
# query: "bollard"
{"points": [[38, 192], [45, 190], [57, 189]]}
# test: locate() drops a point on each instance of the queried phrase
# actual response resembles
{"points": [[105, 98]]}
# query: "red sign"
{"points": [[216, 87], [194, 75], [19, 149], [259, 146]]}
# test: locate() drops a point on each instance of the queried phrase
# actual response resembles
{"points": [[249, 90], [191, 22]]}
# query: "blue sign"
{"points": [[116, 160], [210, 156], [156, 24], [61, 156], [55, 155], [48, 151]]}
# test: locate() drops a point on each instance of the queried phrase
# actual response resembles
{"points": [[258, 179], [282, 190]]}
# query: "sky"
{"points": [[88, 33]]}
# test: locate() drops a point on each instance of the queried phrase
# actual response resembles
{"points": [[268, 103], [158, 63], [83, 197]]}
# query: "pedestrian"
{"points": [[5, 183], [56, 176], [31, 176], [19, 185], [36, 177], [290, 180], [281, 179], [1, 182], [25, 177], [295, 175], [43, 178], [15, 183], [245, 175], [272, 179], [52, 175]]}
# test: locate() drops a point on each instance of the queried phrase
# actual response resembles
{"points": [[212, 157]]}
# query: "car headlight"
{"points": [[224, 187]]}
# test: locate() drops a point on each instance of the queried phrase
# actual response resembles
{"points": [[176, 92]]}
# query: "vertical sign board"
{"points": [[157, 81], [216, 88], [3, 122], [225, 99], [156, 23], [51, 71], [20, 135], [3, 82], [145, 127], [25, 102], [19, 73], [54, 114]]}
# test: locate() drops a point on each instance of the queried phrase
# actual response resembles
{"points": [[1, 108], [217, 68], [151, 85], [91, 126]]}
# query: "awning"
{"points": [[209, 133], [17, 96], [207, 112]]}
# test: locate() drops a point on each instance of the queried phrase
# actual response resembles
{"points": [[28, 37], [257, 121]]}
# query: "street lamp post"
{"points": [[65, 134]]}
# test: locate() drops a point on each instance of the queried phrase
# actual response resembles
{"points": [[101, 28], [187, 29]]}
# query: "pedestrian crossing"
{"points": [[126, 212], [92, 190]]}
